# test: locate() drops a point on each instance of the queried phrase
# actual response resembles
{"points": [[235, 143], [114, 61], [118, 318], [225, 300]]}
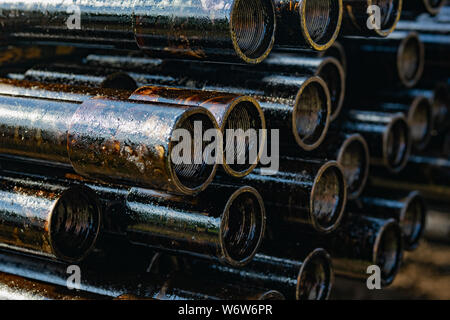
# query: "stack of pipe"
{"points": [[90, 147]]}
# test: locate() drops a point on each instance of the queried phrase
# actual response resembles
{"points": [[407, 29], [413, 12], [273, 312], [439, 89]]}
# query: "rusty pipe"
{"points": [[409, 211], [81, 135], [387, 134], [308, 23], [359, 13], [59, 221], [228, 30]]}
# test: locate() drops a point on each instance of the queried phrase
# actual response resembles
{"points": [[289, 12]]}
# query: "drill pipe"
{"points": [[400, 58], [306, 193], [230, 111], [59, 221], [231, 30], [439, 98], [387, 134], [418, 111], [298, 106], [351, 151], [308, 23], [308, 278], [223, 223], [358, 14], [329, 69], [137, 149], [359, 243], [409, 211], [413, 8]]}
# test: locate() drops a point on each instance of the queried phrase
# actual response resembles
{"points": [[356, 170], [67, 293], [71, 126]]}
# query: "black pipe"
{"points": [[308, 23], [409, 211], [230, 30], [413, 8], [303, 193], [55, 220], [358, 14], [310, 277], [351, 151], [387, 134], [400, 59]]}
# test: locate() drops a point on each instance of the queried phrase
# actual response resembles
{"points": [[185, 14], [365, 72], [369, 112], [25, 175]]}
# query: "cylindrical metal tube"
{"points": [[409, 211], [361, 18], [309, 193], [223, 222], [418, 112], [232, 112], [388, 136], [413, 8], [308, 278], [43, 218], [351, 151], [308, 23], [26, 55], [229, 30], [97, 139], [297, 106], [401, 60], [329, 69]]}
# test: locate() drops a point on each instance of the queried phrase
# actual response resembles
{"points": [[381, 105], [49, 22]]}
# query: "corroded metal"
{"points": [[309, 24], [303, 193], [230, 30], [307, 277], [401, 58], [408, 210], [357, 15], [83, 135], [25, 55], [387, 135], [41, 217]]}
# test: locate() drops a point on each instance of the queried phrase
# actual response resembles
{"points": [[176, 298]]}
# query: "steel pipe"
{"points": [[82, 135], [59, 221], [229, 30], [359, 15], [308, 278], [401, 58], [303, 193], [413, 8], [387, 134], [308, 23], [409, 211]]}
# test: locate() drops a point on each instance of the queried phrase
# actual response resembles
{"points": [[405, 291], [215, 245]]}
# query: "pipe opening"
{"points": [[252, 28], [315, 277], [433, 6], [243, 225], [328, 197], [311, 115], [389, 252], [354, 159], [390, 12], [271, 295], [337, 51], [74, 224], [195, 172], [421, 122], [245, 115], [397, 144], [323, 19], [333, 75], [119, 81], [411, 60], [413, 223]]}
